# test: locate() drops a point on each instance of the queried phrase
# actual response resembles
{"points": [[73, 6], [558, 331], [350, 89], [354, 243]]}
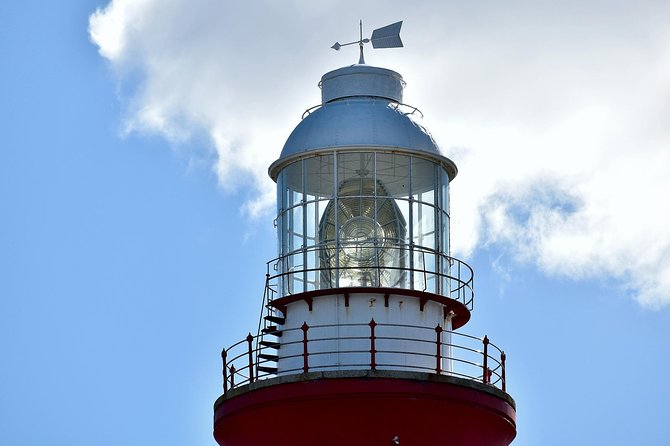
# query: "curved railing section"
{"points": [[370, 346], [409, 267]]}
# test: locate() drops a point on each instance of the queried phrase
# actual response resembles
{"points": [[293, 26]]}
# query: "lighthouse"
{"points": [[360, 340]]}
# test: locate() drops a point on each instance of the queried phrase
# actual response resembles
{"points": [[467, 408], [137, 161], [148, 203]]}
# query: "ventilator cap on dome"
{"points": [[361, 81]]}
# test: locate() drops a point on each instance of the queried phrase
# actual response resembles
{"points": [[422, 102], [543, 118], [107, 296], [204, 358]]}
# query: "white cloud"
{"points": [[556, 113]]}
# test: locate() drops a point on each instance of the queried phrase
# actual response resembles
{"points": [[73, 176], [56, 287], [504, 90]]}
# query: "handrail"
{"points": [[466, 356], [413, 108], [455, 281], [309, 110]]}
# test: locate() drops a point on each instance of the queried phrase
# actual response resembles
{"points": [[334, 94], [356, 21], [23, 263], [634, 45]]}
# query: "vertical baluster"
{"points": [[224, 356], [438, 343], [250, 340], [305, 362], [485, 366], [373, 362]]}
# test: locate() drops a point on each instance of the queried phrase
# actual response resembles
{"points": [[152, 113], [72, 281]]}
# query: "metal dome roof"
{"points": [[361, 110]]}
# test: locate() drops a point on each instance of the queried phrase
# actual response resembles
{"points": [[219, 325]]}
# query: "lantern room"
{"points": [[362, 191]]}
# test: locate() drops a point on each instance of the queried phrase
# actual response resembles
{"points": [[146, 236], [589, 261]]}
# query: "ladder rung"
{"points": [[272, 370], [267, 357], [270, 344], [272, 330], [275, 319]]}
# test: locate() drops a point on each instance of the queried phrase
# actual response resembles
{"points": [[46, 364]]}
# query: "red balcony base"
{"points": [[341, 408]]}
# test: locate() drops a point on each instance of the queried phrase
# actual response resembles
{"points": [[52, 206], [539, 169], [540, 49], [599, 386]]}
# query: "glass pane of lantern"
{"points": [[311, 224], [391, 233], [444, 190], [293, 184], [393, 174], [423, 179], [352, 168], [319, 177], [424, 225]]}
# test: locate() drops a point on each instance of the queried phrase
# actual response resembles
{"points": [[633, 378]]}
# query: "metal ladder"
{"points": [[270, 325]]}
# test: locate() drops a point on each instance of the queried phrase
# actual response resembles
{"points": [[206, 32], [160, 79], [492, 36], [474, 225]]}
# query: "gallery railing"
{"points": [[409, 267], [370, 346]]}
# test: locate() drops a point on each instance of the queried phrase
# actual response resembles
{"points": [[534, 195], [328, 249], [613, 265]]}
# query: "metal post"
{"points": [[250, 340], [224, 356], [502, 362], [373, 363], [305, 363], [485, 366], [232, 376], [438, 343], [461, 286]]}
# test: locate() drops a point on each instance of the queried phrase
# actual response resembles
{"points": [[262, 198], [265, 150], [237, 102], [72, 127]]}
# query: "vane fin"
{"points": [[387, 36]]}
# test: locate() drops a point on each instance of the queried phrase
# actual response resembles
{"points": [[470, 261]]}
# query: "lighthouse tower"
{"points": [[360, 339]]}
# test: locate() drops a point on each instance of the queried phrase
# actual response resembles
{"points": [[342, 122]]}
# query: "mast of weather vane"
{"points": [[361, 60]]}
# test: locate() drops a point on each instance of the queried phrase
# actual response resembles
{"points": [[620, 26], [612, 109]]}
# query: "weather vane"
{"points": [[385, 37]]}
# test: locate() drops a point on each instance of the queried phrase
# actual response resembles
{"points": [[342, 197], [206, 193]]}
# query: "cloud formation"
{"points": [[556, 114]]}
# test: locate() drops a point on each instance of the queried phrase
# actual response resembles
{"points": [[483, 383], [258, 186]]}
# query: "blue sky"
{"points": [[135, 210]]}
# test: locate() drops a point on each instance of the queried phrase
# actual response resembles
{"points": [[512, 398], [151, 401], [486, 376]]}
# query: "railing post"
{"points": [[305, 362], [485, 366], [250, 340], [438, 343], [232, 376], [224, 356], [461, 289], [373, 362], [502, 362]]}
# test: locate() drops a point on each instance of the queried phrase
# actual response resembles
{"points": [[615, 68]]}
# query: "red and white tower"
{"points": [[359, 342]]}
